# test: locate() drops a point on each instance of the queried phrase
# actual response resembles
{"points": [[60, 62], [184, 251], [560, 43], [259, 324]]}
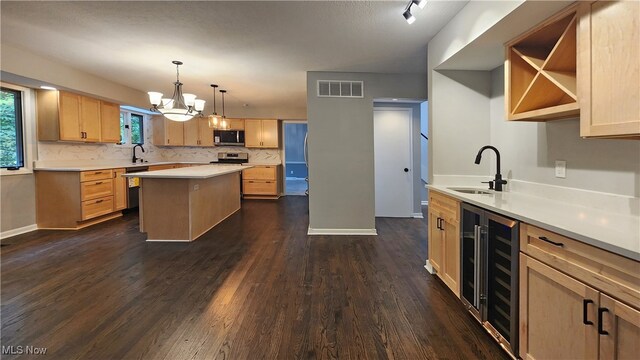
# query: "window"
{"points": [[11, 139], [131, 128]]}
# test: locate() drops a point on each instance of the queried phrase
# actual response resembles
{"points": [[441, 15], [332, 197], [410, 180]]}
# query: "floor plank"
{"points": [[256, 286]]}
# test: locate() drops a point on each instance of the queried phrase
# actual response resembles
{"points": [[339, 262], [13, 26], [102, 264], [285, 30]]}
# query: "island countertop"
{"points": [[195, 172]]}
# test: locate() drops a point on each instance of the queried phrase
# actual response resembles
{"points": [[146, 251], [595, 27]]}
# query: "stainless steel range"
{"points": [[232, 158]]}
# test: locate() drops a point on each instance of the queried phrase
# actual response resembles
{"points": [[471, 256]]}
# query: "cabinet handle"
{"points": [[545, 239], [585, 313], [98, 183], [99, 201], [601, 311], [98, 172]]}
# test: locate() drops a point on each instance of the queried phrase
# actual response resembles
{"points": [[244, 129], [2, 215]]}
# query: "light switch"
{"points": [[561, 169]]}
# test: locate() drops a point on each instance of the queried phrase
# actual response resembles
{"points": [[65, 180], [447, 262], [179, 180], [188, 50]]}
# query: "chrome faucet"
{"points": [[498, 179], [134, 158]]}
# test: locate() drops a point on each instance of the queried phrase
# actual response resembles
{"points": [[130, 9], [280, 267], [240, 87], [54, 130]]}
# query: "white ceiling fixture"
{"points": [[180, 107], [407, 12]]}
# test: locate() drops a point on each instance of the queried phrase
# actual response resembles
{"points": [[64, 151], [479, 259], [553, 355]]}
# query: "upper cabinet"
{"points": [[197, 132], [167, 132], [609, 68], [583, 61], [67, 116], [236, 124], [261, 133], [541, 71]]}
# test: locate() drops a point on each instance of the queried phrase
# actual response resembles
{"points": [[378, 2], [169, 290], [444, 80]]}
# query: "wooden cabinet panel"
{"points": [[97, 207], [552, 314], [120, 189], [90, 118], [252, 133], [96, 189], [162, 167], [175, 132], [260, 187], [191, 128], [205, 133], [69, 117], [96, 175], [622, 324], [444, 239], [260, 173], [436, 251], [451, 245], [236, 124], [608, 58], [270, 133], [109, 122]]}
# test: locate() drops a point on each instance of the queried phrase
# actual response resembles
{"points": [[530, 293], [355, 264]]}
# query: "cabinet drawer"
{"points": [[260, 173], [96, 175], [162, 167], [97, 207], [613, 274], [96, 189], [447, 206], [259, 187]]}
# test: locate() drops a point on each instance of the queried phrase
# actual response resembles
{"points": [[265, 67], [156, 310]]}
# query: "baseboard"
{"points": [[417, 215], [429, 268], [18, 231], [312, 231], [424, 202]]}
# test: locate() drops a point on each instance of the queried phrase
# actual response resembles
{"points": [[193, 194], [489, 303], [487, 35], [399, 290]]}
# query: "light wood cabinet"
{"points": [[609, 68], [444, 239], [120, 189], [540, 71], [236, 124], [261, 133], [109, 122], [576, 301], [198, 133], [65, 116], [262, 182], [162, 167], [167, 132]]}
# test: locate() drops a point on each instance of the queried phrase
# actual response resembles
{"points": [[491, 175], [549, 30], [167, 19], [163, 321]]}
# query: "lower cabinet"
{"points": [[120, 189], [261, 182], [444, 239], [576, 301]]}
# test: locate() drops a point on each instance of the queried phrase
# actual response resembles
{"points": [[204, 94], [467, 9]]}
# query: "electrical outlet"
{"points": [[561, 169], [196, 187]]}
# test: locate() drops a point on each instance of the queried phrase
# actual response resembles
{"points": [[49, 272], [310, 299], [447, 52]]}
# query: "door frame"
{"points": [[411, 154], [284, 152]]}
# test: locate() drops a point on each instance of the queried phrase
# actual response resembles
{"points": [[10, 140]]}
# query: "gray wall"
{"points": [[341, 174], [18, 204]]}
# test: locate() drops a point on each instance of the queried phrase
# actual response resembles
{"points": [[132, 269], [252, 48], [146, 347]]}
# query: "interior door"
{"points": [[393, 162]]}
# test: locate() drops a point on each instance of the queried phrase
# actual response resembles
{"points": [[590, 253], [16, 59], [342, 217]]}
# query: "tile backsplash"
{"points": [[48, 151]]}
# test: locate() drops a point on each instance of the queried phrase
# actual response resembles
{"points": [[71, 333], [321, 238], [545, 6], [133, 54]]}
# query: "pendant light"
{"points": [[224, 124], [214, 119], [180, 107]]}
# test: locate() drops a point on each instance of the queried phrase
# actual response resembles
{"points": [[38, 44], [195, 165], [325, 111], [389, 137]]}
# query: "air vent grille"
{"points": [[339, 88]]}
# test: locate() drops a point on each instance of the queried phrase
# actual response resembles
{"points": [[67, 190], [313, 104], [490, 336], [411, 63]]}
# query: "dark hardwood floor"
{"points": [[254, 287]]}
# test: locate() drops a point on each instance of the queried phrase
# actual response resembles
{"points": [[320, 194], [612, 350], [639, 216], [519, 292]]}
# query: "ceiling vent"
{"points": [[337, 88]]}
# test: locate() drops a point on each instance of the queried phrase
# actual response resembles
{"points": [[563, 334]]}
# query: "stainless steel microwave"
{"points": [[228, 137]]}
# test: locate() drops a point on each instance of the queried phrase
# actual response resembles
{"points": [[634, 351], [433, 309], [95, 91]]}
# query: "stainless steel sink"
{"points": [[472, 191]]}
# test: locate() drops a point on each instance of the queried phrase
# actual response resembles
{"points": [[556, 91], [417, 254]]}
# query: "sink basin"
{"points": [[472, 191]]}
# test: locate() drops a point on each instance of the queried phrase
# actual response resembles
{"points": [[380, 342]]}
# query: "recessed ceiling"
{"points": [[259, 51]]}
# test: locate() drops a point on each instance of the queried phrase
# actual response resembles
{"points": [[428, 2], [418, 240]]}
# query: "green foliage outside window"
{"points": [[137, 132], [10, 129]]}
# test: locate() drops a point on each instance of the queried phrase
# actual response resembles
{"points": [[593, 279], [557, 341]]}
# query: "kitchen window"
{"points": [[11, 139], [131, 128]]}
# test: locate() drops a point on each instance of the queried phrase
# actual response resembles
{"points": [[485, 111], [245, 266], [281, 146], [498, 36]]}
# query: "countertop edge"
{"points": [[161, 174]]}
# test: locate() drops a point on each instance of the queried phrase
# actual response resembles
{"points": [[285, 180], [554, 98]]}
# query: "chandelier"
{"points": [[180, 107]]}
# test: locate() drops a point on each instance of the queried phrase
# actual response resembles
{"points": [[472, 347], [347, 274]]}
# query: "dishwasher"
{"points": [[133, 200]]}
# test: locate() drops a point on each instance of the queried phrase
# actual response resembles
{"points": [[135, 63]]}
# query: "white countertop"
{"points": [[110, 165], [194, 172], [616, 232]]}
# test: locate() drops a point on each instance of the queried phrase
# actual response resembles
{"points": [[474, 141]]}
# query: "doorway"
{"points": [[295, 166], [393, 162]]}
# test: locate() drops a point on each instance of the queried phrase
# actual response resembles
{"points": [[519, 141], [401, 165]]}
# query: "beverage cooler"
{"points": [[489, 272]]}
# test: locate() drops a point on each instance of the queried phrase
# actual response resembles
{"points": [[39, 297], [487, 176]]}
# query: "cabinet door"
{"points": [[90, 118], [191, 129], [174, 132], [435, 242], [608, 58], [70, 127], [252, 133], [120, 190], [450, 273], [558, 314], [236, 124], [109, 122], [205, 133], [622, 323], [270, 133]]}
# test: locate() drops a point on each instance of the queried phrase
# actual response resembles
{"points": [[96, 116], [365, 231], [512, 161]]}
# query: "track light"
{"points": [[407, 16], [420, 3]]}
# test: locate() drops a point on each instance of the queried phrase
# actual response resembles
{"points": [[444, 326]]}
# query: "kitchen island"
{"points": [[182, 204]]}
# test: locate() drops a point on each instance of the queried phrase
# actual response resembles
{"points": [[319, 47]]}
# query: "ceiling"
{"points": [[259, 51]]}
